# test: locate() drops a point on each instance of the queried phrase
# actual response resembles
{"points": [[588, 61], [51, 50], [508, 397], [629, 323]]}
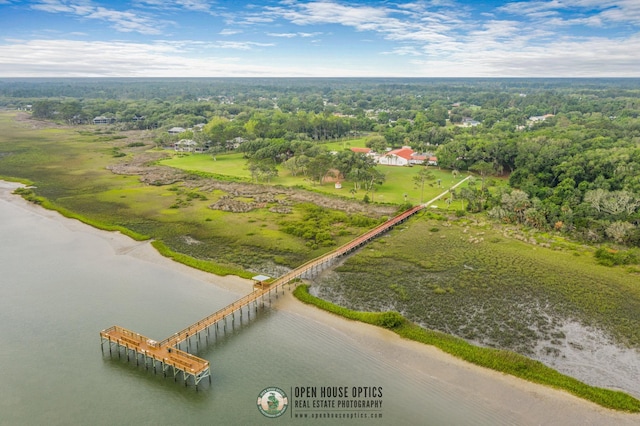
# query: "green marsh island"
{"points": [[532, 267]]}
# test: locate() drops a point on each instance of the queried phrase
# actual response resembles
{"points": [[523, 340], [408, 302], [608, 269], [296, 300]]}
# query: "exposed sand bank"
{"points": [[531, 403]]}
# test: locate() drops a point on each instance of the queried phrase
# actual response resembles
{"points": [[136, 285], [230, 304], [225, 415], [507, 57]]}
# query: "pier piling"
{"points": [[168, 353]]}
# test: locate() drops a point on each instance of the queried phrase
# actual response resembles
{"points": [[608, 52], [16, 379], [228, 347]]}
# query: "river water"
{"points": [[61, 284]]}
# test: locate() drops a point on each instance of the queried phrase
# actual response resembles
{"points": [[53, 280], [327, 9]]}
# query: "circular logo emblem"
{"points": [[272, 402]]}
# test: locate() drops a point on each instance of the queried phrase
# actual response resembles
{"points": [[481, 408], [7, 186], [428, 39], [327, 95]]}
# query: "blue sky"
{"points": [[319, 38]]}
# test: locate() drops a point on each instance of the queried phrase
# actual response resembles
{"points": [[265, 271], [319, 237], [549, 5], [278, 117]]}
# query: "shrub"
{"points": [[609, 257], [390, 320]]}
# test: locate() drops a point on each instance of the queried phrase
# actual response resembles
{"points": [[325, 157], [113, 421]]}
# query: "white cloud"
{"points": [[257, 20], [563, 58], [123, 21], [293, 35], [284, 35], [584, 12], [422, 38], [418, 22], [53, 6], [70, 58], [192, 5], [404, 51], [310, 34], [229, 31], [238, 45]]}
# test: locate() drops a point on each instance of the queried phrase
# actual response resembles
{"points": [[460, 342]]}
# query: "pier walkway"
{"points": [[168, 355]]}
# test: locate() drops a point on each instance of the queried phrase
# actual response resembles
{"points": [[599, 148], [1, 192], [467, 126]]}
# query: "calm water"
{"points": [[59, 288]]}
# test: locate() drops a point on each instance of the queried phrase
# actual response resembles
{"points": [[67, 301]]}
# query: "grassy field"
{"points": [[346, 144], [399, 180], [224, 164]]}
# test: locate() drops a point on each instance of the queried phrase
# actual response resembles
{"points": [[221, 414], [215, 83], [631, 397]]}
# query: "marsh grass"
{"points": [[202, 265], [473, 282], [68, 169], [495, 359]]}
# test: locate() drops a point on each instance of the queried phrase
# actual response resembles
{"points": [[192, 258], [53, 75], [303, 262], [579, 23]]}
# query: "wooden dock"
{"points": [[168, 355]]}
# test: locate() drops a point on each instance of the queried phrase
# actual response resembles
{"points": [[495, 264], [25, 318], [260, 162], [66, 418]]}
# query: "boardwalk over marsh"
{"points": [[166, 354]]}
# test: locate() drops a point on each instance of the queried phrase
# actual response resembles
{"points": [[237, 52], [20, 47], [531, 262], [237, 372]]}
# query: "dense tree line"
{"points": [[575, 171]]}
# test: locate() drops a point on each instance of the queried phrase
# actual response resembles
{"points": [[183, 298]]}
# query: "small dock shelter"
{"points": [[261, 281]]}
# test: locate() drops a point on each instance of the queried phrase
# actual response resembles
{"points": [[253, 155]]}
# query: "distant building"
{"points": [[397, 157], [361, 150], [469, 122], [186, 145], [536, 118], [235, 142], [176, 130], [104, 120], [417, 158], [406, 156]]}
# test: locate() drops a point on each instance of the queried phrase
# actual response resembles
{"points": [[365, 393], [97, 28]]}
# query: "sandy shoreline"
{"points": [[532, 403]]}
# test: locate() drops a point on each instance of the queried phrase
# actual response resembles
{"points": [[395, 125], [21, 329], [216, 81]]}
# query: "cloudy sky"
{"points": [[320, 38]]}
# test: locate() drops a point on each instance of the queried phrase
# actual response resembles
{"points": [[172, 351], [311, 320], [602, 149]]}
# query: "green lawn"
{"points": [[226, 164], [399, 180], [346, 144]]}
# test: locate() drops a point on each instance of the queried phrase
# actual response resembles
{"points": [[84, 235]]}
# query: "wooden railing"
{"points": [[183, 358]]}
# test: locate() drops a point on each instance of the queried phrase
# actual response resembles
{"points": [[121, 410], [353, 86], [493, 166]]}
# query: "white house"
{"points": [[397, 157], [104, 120], [536, 118], [235, 142], [417, 158], [469, 122], [185, 145], [176, 130]]}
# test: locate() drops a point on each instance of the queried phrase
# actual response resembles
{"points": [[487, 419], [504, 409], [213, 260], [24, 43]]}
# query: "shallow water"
{"points": [[61, 286], [587, 354]]}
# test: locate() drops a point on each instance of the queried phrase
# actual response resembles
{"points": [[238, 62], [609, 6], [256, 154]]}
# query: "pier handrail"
{"points": [[168, 354], [291, 275], [300, 270]]}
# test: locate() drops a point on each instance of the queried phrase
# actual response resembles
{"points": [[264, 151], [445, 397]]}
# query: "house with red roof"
{"points": [[361, 150], [397, 157]]}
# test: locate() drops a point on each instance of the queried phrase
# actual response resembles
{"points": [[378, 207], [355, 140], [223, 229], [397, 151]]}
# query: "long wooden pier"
{"points": [[168, 355]]}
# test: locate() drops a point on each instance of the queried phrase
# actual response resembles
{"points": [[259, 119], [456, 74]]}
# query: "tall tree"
{"points": [[423, 176]]}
